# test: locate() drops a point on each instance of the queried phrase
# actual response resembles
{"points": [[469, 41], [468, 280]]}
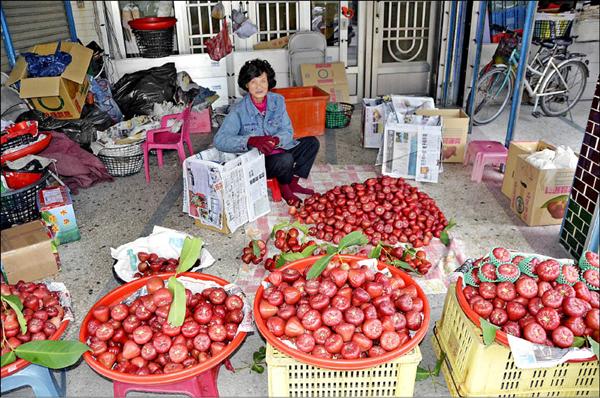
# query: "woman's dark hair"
{"points": [[255, 68]]}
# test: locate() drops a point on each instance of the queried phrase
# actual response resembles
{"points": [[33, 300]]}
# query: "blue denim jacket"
{"points": [[245, 121]]}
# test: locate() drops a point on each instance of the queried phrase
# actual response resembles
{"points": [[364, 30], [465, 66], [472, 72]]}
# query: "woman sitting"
{"points": [[260, 121]]}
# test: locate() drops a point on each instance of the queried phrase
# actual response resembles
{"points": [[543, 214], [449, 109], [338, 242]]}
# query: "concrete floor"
{"points": [[111, 214]]}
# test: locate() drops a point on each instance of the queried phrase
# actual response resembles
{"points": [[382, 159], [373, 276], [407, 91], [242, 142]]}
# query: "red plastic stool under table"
{"points": [[203, 385], [273, 185]]}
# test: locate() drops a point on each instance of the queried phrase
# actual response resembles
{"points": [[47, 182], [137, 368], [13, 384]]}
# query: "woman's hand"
{"points": [[265, 144]]}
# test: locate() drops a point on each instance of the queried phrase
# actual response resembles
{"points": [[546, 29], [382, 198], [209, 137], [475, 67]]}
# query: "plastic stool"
{"points": [[273, 185], [484, 153], [39, 378], [203, 385]]}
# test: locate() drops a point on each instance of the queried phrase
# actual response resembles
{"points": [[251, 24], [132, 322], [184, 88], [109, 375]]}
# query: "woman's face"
{"points": [[258, 87]]}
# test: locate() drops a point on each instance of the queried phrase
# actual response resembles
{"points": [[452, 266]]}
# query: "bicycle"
{"points": [[550, 78]]}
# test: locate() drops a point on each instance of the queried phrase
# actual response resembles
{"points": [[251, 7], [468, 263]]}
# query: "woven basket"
{"points": [[123, 160]]}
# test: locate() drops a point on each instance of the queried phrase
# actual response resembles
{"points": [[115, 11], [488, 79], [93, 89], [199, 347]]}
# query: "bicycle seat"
{"points": [[559, 42]]}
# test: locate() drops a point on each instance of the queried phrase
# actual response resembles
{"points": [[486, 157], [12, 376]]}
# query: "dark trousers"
{"points": [[296, 161]]}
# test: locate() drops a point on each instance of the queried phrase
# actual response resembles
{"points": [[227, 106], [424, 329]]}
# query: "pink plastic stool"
{"points": [[273, 185], [200, 122], [484, 153], [203, 385]]}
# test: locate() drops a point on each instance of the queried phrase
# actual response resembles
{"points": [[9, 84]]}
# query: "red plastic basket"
{"points": [[117, 296], [19, 364], [344, 364]]}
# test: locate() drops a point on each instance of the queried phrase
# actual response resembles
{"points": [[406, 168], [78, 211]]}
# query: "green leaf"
{"points": [[578, 342], [489, 331], [262, 350], [258, 357], [308, 251], [560, 198], [376, 251], [422, 374], [444, 237], [301, 227], [280, 261], [438, 364], [7, 358], [53, 354], [451, 224], [410, 250], [16, 305], [255, 248], [257, 368], [331, 249], [352, 239], [594, 346], [319, 266], [190, 252], [402, 264], [15, 300], [177, 311], [279, 226]]}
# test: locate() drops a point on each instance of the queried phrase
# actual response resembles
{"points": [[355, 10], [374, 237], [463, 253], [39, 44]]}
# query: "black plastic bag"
{"points": [[82, 130], [137, 92]]}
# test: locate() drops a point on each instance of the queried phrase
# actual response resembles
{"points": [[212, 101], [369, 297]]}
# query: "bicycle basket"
{"points": [[506, 46], [552, 26]]}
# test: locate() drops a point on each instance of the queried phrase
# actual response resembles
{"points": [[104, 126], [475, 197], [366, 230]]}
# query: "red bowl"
{"points": [[20, 179], [474, 317], [31, 149], [21, 363], [345, 364], [117, 296], [153, 23]]}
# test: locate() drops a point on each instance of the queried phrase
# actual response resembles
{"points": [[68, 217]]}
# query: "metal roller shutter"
{"points": [[33, 22]]}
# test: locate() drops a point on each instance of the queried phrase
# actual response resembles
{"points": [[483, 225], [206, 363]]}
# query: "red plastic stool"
{"points": [[273, 185], [203, 385]]}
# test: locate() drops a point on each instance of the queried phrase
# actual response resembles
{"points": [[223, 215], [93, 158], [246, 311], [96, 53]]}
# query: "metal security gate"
{"points": [[401, 53]]}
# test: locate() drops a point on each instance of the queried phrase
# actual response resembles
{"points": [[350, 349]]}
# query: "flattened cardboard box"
{"points": [[515, 149], [61, 97], [28, 253], [330, 77], [540, 196], [272, 44], [455, 129]]}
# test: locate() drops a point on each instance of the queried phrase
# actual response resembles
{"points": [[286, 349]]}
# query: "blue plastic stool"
{"points": [[39, 378]]}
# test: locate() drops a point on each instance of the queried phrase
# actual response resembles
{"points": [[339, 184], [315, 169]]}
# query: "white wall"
{"points": [[84, 22]]}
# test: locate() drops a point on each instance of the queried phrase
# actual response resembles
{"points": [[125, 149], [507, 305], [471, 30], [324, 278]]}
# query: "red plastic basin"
{"points": [[117, 296], [153, 23], [345, 364]]}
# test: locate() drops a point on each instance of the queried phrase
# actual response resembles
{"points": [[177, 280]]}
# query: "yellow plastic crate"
{"points": [[291, 378], [472, 369]]}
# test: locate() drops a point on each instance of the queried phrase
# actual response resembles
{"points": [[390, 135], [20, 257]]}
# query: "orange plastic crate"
{"points": [[306, 109]]}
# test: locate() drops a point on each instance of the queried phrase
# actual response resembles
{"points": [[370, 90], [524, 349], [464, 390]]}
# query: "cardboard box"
{"points": [[374, 115], [540, 196], [56, 209], [61, 97], [329, 77], [28, 253], [455, 129], [515, 149], [223, 191], [411, 149], [272, 44]]}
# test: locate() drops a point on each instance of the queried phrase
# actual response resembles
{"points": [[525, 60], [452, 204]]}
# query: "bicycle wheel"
{"points": [[568, 82], [492, 95]]}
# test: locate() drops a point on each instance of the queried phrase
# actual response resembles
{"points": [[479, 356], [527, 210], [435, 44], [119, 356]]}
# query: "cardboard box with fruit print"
{"points": [[56, 209], [540, 195]]}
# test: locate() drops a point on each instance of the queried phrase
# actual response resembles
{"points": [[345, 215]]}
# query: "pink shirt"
{"points": [[262, 107]]}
